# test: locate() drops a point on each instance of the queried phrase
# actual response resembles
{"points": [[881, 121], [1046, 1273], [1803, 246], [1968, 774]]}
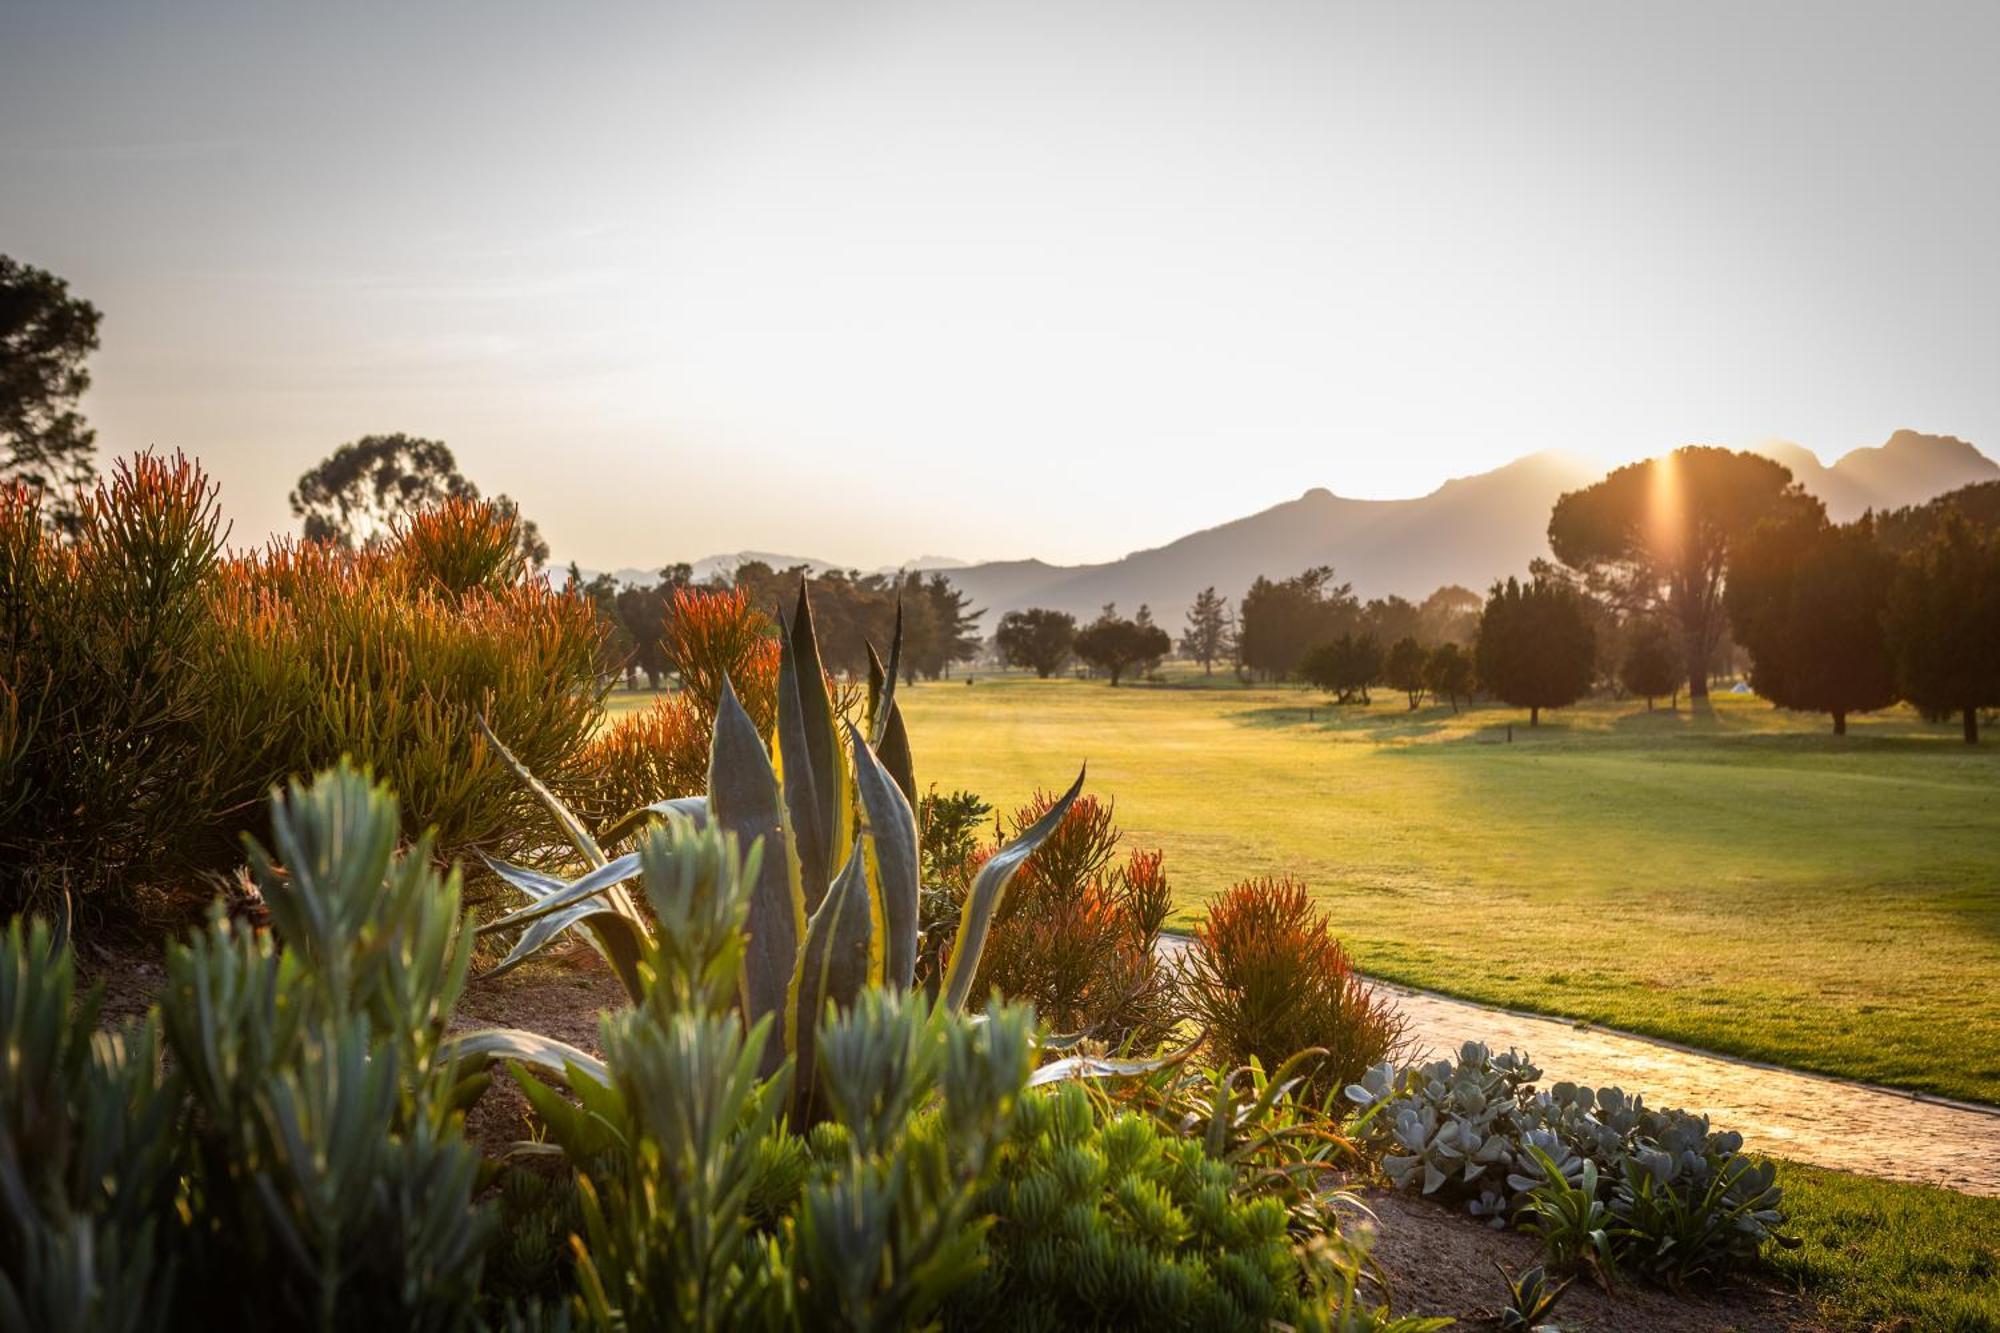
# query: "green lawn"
{"points": [[1891, 1256], [1740, 881]]}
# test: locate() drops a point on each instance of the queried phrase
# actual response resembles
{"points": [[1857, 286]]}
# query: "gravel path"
{"points": [[1801, 1117]]}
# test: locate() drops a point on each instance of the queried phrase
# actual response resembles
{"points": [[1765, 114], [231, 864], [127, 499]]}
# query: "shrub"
{"points": [[1267, 979], [1077, 933], [301, 1157], [102, 648], [655, 753], [715, 635], [321, 651]]}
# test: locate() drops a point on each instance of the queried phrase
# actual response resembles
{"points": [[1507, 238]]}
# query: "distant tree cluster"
{"points": [[1118, 647], [1037, 639], [852, 610]]}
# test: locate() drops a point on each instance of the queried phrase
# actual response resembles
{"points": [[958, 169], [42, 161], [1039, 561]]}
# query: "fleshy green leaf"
{"points": [[889, 829]]}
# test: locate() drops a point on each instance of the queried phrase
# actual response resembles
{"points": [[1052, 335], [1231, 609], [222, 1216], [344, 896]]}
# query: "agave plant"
{"points": [[833, 909]]}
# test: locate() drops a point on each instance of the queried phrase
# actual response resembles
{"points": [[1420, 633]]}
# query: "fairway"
{"points": [[1741, 881]]}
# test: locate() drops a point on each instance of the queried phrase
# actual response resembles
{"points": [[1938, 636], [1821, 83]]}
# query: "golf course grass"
{"points": [[1739, 880]]}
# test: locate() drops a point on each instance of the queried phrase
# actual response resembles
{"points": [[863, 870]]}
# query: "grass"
{"points": [[1891, 1256], [1740, 880]]}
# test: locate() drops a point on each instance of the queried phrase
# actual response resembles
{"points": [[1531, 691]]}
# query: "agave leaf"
{"points": [[573, 827], [595, 884], [984, 900], [745, 799], [1099, 1066], [825, 757], [536, 938], [887, 735], [832, 967], [533, 883], [795, 779], [889, 831], [693, 808], [530, 1048]]}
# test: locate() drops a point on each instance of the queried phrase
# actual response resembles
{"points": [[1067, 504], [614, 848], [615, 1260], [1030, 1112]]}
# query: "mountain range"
{"points": [[1468, 531]]}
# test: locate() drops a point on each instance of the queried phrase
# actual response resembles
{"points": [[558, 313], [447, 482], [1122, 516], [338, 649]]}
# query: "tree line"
{"points": [[1665, 573]]}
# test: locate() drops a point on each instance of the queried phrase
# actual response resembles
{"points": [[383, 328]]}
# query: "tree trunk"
{"points": [[1972, 726], [1534, 715], [1840, 722], [1697, 669]]}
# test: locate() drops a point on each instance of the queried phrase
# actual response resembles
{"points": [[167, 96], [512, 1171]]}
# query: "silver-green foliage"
{"points": [[702, 1208], [1674, 1198], [300, 1159], [833, 904]]}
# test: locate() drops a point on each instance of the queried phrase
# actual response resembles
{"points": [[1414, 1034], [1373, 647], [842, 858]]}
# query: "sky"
{"points": [[869, 281]]}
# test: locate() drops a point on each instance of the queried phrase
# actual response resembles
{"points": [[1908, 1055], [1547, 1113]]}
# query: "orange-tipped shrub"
{"points": [[1076, 931], [102, 643], [151, 690], [658, 752], [322, 652], [1267, 979], [713, 633], [462, 545]]}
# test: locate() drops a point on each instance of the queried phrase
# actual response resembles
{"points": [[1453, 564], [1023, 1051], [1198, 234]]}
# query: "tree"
{"points": [[1038, 638], [1944, 623], [1206, 638], [954, 625], [1808, 601], [1280, 621], [1344, 667], [45, 335], [1389, 620], [1116, 646], [1405, 669], [359, 492], [1650, 667], [1903, 530], [1655, 538], [1449, 615], [1448, 672], [1535, 646]]}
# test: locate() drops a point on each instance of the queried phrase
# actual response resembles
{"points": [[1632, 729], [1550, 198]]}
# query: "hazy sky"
{"points": [[865, 281]]}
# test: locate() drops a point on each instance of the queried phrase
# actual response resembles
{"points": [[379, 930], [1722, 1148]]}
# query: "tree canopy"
{"points": [[1808, 601], [1649, 666], [1344, 667], [1117, 646], [1944, 623], [1448, 673], [1207, 636], [1037, 638], [1656, 537], [1536, 647], [357, 494], [45, 336], [1280, 621]]}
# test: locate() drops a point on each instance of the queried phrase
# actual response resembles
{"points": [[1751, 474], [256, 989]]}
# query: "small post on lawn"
{"points": [[1510, 733]]}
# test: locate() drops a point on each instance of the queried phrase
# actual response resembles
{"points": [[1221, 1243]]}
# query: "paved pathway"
{"points": [[1802, 1117]]}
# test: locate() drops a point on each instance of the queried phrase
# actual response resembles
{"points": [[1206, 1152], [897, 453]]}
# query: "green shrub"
{"points": [[1266, 978]]}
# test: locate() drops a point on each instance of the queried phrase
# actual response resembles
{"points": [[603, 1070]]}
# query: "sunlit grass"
{"points": [[1741, 881], [1889, 1255]]}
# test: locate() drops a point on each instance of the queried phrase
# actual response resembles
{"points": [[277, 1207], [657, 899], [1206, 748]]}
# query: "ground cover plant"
{"points": [[1608, 1183], [1613, 865]]}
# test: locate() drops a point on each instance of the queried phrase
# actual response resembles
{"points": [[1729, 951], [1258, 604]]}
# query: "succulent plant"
{"points": [[1594, 1171], [833, 908]]}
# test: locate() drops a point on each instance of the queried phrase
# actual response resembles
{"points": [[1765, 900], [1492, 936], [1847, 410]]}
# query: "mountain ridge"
{"points": [[1469, 530]]}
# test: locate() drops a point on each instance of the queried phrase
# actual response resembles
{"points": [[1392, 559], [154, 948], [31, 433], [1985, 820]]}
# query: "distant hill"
{"points": [[1909, 469], [710, 568], [1468, 531]]}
